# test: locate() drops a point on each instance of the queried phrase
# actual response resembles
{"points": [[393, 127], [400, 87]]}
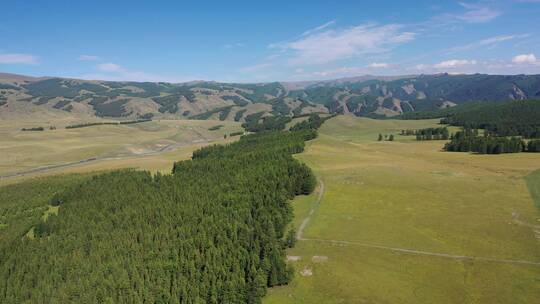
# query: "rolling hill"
{"points": [[361, 96]]}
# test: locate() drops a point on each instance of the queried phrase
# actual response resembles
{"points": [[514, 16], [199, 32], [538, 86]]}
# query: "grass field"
{"points": [[409, 195], [136, 145], [533, 182]]}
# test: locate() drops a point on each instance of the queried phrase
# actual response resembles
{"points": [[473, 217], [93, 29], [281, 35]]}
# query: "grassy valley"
{"points": [[275, 206], [301, 152], [390, 208]]}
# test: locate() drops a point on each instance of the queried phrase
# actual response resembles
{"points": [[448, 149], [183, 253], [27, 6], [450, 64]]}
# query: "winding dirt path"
{"points": [[427, 253], [300, 237], [300, 232], [515, 218]]}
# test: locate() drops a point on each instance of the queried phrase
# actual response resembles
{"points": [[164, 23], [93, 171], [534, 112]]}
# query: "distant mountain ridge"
{"points": [[361, 96]]}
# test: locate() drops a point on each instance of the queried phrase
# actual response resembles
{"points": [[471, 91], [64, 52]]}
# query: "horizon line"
{"points": [[3, 74]]}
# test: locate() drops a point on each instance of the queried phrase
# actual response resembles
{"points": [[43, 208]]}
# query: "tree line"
{"points": [[385, 137], [213, 231], [469, 140], [533, 145], [33, 129], [314, 122], [236, 133], [216, 127], [90, 124], [428, 133], [257, 123], [516, 118], [508, 127], [269, 123]]}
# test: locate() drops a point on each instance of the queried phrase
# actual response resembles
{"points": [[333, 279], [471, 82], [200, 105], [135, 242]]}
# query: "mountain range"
{"points": [[361, 96]]}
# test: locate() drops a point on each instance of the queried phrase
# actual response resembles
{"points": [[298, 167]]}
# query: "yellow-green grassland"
{"points": [[152, 145], [404, 222]]}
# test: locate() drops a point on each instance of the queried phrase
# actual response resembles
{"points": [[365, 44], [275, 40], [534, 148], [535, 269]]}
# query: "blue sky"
{"points": [[256, 41]]}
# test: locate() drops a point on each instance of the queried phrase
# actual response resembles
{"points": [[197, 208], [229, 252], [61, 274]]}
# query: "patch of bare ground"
{"points": [[293, 258], [319, 259], [306, 272]]}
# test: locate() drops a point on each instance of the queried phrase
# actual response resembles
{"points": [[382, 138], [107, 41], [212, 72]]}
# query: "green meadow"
{"points": [[533, 182], [410, 195]]}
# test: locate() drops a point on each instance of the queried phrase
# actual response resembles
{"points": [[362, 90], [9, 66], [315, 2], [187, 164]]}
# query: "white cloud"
{"points": [[18, 59], [255, 67], [234, 45], [114, 72], [422, 66], [521, 64], [376, 65], [524, 59], [334, 45], [318, 28], [488, 42], [454, 63], [134, 76], [330, 73], [109, 67], [477, 13], [89, 58]]}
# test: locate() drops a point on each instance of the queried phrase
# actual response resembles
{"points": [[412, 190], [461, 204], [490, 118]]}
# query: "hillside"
{"points": [[195, 100], [417, 93], [361, 96]]}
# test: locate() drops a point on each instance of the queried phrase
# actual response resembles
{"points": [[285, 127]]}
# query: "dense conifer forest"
{"points": [[446, 112], [517, 118], [312, 123], [514, 118], [213, 231], [267, 124], [533, 145], [508, 127], [469, 140]]}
